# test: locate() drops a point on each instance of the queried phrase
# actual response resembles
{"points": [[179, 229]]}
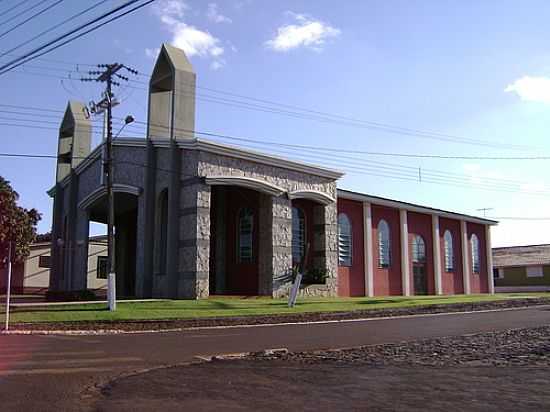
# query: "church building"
{"points": [[195, 218]]}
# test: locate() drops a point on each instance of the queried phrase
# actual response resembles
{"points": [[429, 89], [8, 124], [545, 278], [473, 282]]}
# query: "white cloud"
{"points": [[305, 32], [532, 89], [214, 15], [152, 53], [193, 41]]}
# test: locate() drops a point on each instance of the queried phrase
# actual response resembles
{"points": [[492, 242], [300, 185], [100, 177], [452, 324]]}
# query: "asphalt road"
{"points": [[56, 372]]}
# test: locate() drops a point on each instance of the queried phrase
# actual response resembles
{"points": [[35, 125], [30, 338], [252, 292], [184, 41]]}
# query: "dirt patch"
{"points": [[283, 318], [501, 371]]}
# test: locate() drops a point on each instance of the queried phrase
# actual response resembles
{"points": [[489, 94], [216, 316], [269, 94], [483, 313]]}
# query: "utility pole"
{"points": [[8, 287], [107, 103]]}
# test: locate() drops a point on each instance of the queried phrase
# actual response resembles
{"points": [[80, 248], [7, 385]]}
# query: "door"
{"points": [[420, 280], [242, 242]]}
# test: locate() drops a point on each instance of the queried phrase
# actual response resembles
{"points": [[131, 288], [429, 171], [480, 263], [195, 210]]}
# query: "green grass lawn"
{"points": [[233, 306]]}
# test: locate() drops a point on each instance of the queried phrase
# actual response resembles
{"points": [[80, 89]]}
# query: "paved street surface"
{"points": [[60, 372]]}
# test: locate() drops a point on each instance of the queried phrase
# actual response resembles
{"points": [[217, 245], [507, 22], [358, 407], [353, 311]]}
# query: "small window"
{"points": [[101, 267], [44, 262], [245, 238], [418, 249], [498, 273], [298, 236], [475, 254], [345, 240], [449, 252], [534, 272], [384, 249]]}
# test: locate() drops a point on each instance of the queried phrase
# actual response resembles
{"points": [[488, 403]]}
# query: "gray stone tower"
{"points": [[172, 96], [74, 139]]}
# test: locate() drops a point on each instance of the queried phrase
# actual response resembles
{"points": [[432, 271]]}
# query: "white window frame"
{"points": [[476, 254], [345, 240], [448, 248], [535, 271], [384, 248]]}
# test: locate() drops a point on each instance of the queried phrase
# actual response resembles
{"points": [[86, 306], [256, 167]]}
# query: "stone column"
{"points": [[489, 253], [436, 241], [405, 273], [367, 244], [325, 244], [465, 256], [80, 262], [194, 241], [275, 247]]}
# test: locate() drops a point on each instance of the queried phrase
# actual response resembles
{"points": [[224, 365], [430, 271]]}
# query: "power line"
{"points": [[338, 119], [37, 52], [15, 7], [44, 10], [335, 157], [22, 12], [74, 16]]}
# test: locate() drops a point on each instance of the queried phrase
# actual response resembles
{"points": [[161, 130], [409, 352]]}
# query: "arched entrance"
{"points": [[234, 241], [126, 211], [420, 278]]}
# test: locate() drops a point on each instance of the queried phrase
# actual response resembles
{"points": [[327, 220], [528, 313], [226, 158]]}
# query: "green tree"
{"points": [[17, 225]]}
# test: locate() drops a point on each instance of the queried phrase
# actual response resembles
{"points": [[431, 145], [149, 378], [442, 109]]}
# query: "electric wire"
{"points": [[44, 10]]}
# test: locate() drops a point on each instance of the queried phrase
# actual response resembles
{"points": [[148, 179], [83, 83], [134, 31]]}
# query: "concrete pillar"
{"points": [[368, 256], [79, 271], [405, 273], [194, 241], [489, 253], [437, 255], [465, 256], [275, 248], [325, 243]]}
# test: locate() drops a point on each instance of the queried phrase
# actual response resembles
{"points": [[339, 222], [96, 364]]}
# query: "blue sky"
{"points": [[475, 70]]}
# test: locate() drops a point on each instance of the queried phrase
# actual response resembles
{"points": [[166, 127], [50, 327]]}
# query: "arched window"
{"points": [[298, 236], [475, 253], [449, 252], [245, 236], [418, 249], [345, 240], [384, 256]]}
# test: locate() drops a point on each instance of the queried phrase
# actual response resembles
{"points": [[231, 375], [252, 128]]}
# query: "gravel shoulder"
{"points": [[170, 324], [497, 371]]}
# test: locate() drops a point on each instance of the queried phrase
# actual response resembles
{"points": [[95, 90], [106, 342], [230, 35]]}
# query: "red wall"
{"points": [[420, 224], [351, 279], [478, 282], [452, 282], [387, 281]]}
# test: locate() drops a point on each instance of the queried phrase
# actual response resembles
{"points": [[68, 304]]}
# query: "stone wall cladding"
{"points": [[276, 259], [215, 165], [194, 237]]}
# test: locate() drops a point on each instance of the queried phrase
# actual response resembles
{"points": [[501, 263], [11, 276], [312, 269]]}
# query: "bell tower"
{"points": [[74, 139], [172, 96]]}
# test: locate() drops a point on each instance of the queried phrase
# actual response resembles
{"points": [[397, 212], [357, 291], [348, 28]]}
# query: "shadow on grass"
{"points": [[52, 310]]}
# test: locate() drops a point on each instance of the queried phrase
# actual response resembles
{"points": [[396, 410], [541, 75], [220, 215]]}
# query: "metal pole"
{"points": [[111, 202], [8, 289]]}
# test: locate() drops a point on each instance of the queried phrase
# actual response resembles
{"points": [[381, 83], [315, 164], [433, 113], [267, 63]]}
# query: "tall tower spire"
{"points": [[172, 96]]}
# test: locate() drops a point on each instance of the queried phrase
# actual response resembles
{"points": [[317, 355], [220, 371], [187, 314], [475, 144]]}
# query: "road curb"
{"points": [[85, 332]]}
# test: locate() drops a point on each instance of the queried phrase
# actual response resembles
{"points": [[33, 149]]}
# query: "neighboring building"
{"points": [[195, 217], [522, 268], [33, 275]]}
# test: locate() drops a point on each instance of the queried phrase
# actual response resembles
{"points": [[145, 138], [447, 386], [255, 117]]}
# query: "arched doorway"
{"points": [[420, 279]]}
